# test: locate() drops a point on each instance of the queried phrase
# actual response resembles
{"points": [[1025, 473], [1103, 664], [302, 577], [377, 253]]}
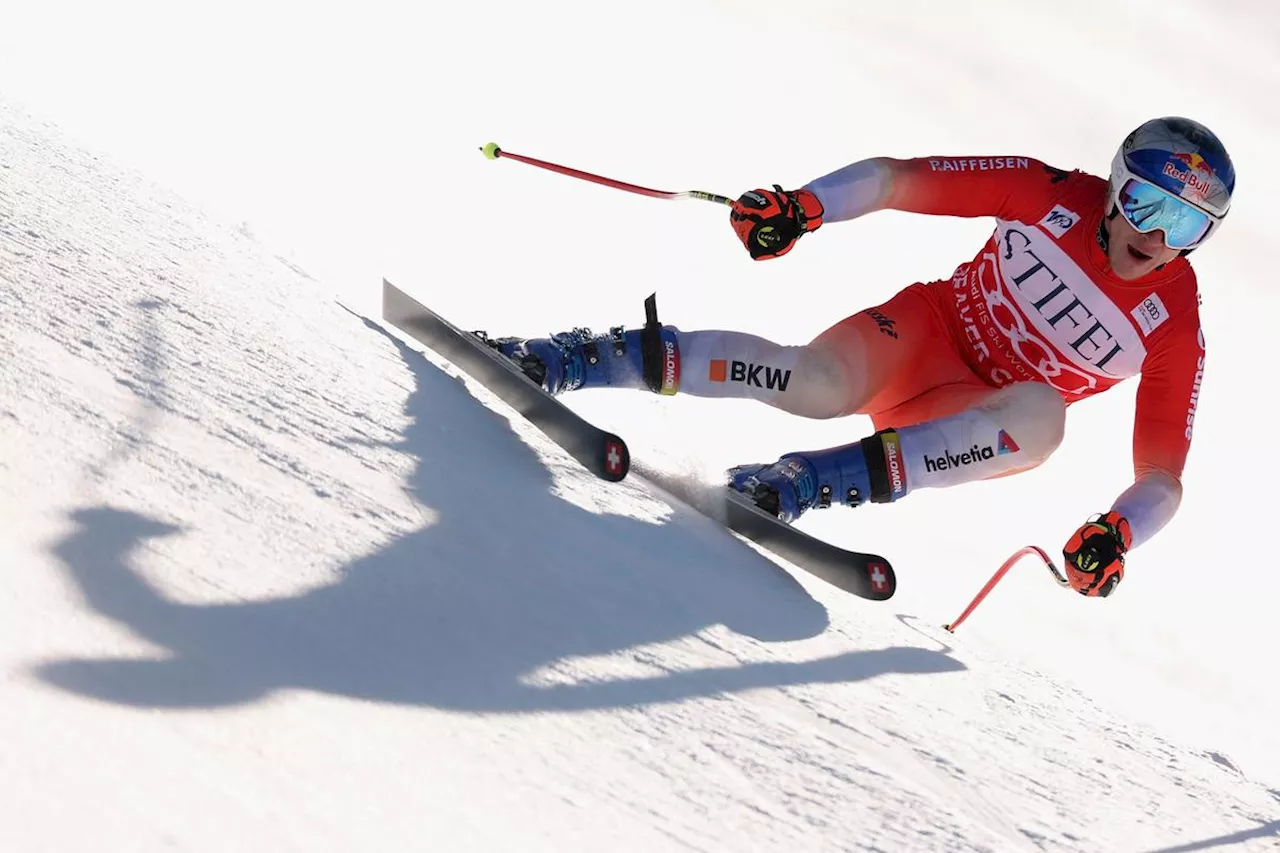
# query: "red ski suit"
{"points": [[1037, 303]]}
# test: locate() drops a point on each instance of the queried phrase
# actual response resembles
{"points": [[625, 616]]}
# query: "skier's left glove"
{"points": [[768, 222], [1095, 554]]}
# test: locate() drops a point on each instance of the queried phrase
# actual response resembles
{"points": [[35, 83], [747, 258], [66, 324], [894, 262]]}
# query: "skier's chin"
{"points": [[1129, 262]]}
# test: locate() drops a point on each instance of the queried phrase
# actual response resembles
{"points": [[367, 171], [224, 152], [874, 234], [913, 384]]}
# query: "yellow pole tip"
{"points": [[491, 150]]}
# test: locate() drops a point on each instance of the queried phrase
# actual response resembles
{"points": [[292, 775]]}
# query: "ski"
{"points": [[864, 575], [602, 453], [605, 454]]}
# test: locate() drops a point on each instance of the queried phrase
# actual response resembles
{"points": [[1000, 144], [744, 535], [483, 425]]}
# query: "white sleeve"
{"points": [[856, 189], [1149, 504]]}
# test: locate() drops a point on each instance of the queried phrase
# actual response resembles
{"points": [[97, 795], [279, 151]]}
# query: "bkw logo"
{"points": [[759, 375]]}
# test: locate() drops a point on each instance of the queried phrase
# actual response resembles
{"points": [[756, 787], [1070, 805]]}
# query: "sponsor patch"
{"points": [[759, 375], [1193, 172], [979, 164], [947, 461], [1194, 401], [1006, 444], [1059, 220], [1073, 333], [883, 322], [895, 466], [670, 368], [1149, 314]]}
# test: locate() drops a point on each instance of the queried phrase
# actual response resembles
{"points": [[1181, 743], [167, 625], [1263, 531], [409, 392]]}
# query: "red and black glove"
{"points": [[768, 222], [1095, 554]]}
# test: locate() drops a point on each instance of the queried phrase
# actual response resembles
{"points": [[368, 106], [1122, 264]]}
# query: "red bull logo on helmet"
{"points": [[1193, 171], [1194, 161]]}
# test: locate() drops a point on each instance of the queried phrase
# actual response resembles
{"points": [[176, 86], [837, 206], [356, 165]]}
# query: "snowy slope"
{"points": [[277, 580]]}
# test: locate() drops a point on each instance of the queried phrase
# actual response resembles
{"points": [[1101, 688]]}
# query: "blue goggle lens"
{"points": [[1147, 208]]}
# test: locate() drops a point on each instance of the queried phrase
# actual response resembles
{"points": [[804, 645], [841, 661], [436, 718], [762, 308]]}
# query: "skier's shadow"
{"points": [[458, 614]]}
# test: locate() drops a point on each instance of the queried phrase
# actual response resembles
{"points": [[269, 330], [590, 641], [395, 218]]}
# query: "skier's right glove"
{"points": [[1095, 554], [768, 222]]}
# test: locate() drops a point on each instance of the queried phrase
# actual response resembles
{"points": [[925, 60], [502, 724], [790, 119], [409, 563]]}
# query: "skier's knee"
{"points": [[1034, 415], [823, 389], [806, 380]]}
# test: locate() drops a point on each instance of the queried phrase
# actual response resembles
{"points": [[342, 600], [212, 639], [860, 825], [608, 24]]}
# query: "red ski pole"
{"points": [[1000, 573], [493, 152]]}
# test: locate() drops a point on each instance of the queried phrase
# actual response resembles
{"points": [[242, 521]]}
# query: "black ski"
{"points": [[601, 452], [605, 454], [865, 575]]}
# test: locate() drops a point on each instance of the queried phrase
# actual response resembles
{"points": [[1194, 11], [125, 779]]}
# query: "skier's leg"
{"points": [[989, 433], [1002, 432], [812, 381], [875, 358], [805, 380]]}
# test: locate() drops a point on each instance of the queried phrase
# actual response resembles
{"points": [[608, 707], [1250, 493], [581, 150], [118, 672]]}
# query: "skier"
{"points": [[1083, 283]]}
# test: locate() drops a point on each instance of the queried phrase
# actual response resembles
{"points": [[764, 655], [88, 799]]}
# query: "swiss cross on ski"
{"points": [[879, 580], [613, 456]]}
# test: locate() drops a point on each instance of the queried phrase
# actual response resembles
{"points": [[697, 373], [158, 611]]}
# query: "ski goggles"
{"points": [[1147, 207]]}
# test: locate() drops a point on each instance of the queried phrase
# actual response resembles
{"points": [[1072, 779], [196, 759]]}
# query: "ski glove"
{"points": [[768, 222], [1095, 554]]}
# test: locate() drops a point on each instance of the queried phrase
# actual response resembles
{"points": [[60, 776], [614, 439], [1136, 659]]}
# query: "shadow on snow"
{"points": [[456, 615]]}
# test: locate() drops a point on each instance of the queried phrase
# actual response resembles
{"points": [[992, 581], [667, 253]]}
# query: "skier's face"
{"points": [[1133, 255]]}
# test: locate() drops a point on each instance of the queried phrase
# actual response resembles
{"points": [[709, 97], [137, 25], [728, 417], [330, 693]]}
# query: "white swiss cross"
{"points": [[878, 579], [612, 458]]}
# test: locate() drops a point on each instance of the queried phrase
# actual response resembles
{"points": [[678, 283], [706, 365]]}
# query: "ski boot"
{"points": [[852, 474], [640, 358]]}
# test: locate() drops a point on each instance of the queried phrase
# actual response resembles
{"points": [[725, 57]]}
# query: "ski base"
{"points": [[602, 453]]}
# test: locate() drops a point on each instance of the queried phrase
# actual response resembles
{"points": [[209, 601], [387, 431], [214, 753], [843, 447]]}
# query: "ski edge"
{"points": [[601, 452], [865, 575]]}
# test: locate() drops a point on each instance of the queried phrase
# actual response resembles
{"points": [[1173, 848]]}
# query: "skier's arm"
{"points": [[945, 186], [1093, 557], [1167, 398]]}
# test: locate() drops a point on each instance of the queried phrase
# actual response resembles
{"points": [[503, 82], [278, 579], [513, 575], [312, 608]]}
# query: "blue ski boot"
{"points": [[852, 474], [641, 358]]}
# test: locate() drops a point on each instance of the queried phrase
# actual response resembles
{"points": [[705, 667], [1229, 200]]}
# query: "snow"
{"points": [[277, 579]]}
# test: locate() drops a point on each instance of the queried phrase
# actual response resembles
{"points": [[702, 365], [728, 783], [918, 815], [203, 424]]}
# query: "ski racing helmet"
{"points": [[1173, 174]]}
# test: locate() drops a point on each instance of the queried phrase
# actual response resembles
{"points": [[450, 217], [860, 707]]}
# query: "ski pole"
{"points": [[493, 152], [1003, 570]]}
